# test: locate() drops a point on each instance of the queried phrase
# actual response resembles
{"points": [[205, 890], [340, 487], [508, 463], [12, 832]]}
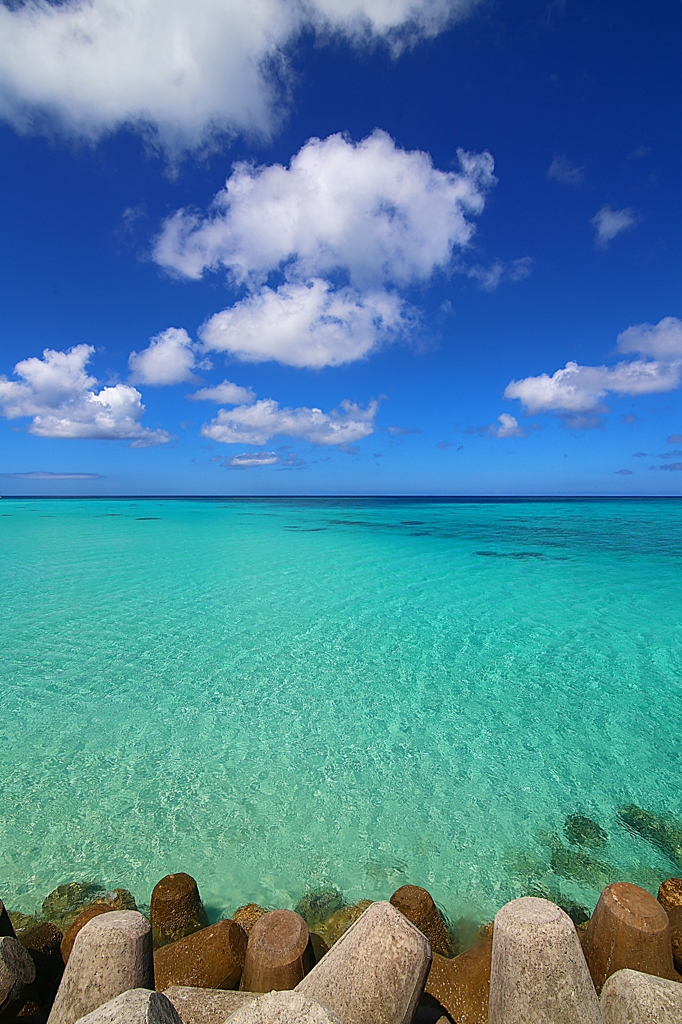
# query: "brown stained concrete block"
{"points": [[206, 1005], [247, 916], [42, 944], [210, 958], [629, 928], [676, 937], [284, 1008], [279, 953], [112, 954], [137, 1006], [418, 907], [17, 971], [176, 909], [630, 997], [670, 894], [462, 985], [376, 972], [6, 926], [538, 972]]}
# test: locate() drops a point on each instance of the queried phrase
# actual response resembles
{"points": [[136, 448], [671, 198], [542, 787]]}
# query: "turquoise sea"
{"points": [[280, 694]]}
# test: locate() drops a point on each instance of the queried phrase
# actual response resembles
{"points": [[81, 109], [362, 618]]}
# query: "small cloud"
{"points": [[489, 278], [377, 455], [403, 430], [508, 427], [444, 445], [623, 472], [251, 460], [674, 439], [671, 465], [670, 455], [637, 154], [639, 455], [226, 393], [563, 170], [608, 223], [39, 475], [629, 419]]}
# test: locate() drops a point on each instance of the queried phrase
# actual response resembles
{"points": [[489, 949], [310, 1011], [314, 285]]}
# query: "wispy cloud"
{"points": [[39, 475], [565, 171], [609, 223], [492, 276]]}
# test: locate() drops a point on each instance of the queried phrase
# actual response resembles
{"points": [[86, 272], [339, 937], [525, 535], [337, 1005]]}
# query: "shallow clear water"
{"points": [[279, 694]]}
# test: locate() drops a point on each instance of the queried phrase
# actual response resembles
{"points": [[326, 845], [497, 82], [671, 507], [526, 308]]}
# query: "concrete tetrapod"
{"points": [[176, 909], [279, 953], [211, 958], [462, 985], [284, 1008], [17, 970], [112, 954], [206, 1005], [630, 997], [538, 973], [138, 1006], [375, 972], [418, 907], [629, 928]]}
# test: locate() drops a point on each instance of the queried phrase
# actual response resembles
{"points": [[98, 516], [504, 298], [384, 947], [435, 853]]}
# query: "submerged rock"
{"points": [[583, 831], [661, 830], [335, 926], [64, 904], [582, 867], [319, 904]]}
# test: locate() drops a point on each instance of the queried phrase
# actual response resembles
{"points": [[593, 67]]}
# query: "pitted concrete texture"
{"points": [[630, 997], [376, 972], [206, 1005], [538, 973], [284, 1008], [138, 1006], [112, 954], [17, 970]]}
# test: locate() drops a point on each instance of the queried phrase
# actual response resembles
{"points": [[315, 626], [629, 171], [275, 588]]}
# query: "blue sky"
{"points": [[384, 246]]}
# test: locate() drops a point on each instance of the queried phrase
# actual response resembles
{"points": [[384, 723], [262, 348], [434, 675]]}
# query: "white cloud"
{"points": [[169, 359], [563, 170], [179, 70], [608, 223], [256, 424], [579, 391], [226, 393], [38, 475], [381, 214], [368, 214], [58, 393], [306, 325], [509, 427], [252, 460]]}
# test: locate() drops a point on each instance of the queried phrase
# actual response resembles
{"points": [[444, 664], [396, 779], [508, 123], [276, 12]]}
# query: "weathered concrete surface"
{"points": [[211, 958], [670, 894], [6, 926], [17, 971], [630, 997], [538, 972], [418, 907], [87, 914], [111, 954], [462, 985], [206, 1005], [176, 909], [676, 937], [629, 928], [375, 972], [284, 1008], [137, 1006], [247, 915], [279, 953]]}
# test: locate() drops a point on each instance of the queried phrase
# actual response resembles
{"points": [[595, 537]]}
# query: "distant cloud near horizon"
{"points": [[577, 392], [563, 170], [52, 476], [609, 223], [181, 73]]}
